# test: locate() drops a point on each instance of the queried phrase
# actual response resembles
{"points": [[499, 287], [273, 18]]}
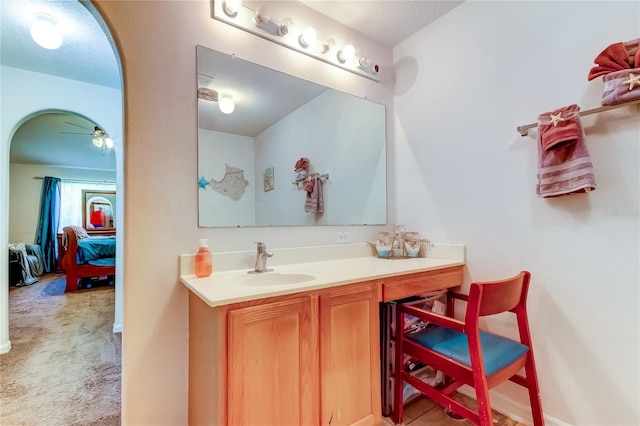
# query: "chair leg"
{"points": [[534, 391], [484, 404]]}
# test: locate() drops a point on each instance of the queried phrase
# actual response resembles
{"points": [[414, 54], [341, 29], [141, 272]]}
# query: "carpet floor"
{"points": [[64, 367]]}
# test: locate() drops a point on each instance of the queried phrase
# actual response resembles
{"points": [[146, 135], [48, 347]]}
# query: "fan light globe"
{"points": [[98, 141], [225, 103], [109, 142], [45, 33]]}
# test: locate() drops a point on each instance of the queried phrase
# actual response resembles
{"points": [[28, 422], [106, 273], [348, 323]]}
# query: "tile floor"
{"points": [[423, 412]]}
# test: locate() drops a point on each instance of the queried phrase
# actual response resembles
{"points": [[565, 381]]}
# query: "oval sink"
{"points": [[276, 278]]}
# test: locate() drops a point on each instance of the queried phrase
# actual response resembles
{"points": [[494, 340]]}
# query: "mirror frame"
{"points": [[88, 194]]}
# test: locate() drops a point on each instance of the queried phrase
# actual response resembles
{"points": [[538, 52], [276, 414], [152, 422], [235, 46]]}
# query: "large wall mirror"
{"points": [[248, 159]]}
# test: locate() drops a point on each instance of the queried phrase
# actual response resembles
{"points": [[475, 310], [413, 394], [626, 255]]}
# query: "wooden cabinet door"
{"points": [[272, 364], [350, 357]]}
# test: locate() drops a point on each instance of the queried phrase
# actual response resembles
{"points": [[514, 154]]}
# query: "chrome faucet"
{"points": [[261, 258]]}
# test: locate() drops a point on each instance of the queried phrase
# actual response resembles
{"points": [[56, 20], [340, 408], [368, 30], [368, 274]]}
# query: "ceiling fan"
{"points": [[100, 138]]}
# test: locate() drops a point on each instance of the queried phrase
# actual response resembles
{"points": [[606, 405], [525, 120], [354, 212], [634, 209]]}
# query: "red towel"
{"points": [[564, 165], [614, 58], [558, 127], [302, 164]]}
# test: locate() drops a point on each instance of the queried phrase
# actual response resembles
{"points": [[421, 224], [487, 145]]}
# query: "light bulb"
{"points": [[98, 141], [307, 37], [109, 142], [328, 45], [262, 15], [346, 53], [45, 33], [365, 61], [283, 29], [225, 103]]}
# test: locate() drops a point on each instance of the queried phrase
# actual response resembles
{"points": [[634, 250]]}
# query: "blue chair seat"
{"points": [[497, 351]]}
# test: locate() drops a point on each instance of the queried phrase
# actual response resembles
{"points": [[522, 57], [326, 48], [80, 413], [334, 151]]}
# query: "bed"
{"points": [[86, 256]]}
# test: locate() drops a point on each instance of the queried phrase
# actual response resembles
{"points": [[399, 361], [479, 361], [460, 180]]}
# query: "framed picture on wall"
{"points": [[268, 180]]}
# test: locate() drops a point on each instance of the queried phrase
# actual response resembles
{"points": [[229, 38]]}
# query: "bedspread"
{"points": [[95, 250]]}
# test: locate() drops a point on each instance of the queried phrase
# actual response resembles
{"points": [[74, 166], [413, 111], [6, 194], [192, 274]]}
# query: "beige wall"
{"points": [[156, 43]]}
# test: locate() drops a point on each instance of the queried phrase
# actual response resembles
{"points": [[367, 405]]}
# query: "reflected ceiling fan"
{"points": [[100, 138]]}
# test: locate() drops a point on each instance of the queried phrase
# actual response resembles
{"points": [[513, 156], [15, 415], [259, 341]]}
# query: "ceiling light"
{"points": [[307, 37], [231, 7], [346, 53], [45, 32], [225, 103], [108, 142]]}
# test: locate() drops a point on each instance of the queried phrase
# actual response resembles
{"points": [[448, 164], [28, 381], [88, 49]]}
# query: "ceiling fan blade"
{"points": [[77, 125], [75, 133]]}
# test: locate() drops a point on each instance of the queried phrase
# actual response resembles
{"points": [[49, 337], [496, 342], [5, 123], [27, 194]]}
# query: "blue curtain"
{"points": [[48, 222]]}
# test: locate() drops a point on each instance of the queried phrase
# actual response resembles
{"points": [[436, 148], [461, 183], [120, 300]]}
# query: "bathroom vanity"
{"points": [[299, 346]]}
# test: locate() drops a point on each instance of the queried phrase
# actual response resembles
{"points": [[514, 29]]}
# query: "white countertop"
{"points": [[232, 286]]}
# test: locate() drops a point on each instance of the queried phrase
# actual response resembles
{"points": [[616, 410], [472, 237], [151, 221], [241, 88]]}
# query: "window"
{"points": [[71, 201]]}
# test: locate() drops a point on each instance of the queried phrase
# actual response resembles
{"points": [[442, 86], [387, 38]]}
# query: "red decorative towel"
{"points": [[559, 127], [614, 58], [621, 86], [302, 164], [564, 165]]}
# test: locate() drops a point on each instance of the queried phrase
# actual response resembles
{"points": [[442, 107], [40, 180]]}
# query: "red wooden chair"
{"points": [[468, 356]]}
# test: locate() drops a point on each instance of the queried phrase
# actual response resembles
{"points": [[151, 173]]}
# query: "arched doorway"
{"points": [[29, 90]]}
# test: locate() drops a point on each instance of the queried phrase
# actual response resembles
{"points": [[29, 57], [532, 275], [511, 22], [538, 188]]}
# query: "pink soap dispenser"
{"points": [[204, 265]]}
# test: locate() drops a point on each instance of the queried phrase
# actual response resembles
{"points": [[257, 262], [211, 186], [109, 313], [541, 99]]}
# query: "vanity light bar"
{"points": [[301, 38]]}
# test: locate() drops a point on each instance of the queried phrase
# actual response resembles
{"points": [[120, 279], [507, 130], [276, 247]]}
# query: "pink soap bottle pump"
{"points": [[204, 265]]}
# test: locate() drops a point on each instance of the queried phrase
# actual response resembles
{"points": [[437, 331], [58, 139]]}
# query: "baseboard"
{"points": [[117, 328], [512, 409], [5, 348]]}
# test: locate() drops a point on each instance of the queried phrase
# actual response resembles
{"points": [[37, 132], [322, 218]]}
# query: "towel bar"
{"points": [[524, 129]]}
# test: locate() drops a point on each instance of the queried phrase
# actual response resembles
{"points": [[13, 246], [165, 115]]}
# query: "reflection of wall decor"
{"points": [[99, 209], [269, 180], [232, 184]]}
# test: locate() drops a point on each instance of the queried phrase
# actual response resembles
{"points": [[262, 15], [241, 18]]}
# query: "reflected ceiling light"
{"points": [[307, 37], [231, 7], [346, 53], [225, 103], [45, 31], [224, 100]]}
